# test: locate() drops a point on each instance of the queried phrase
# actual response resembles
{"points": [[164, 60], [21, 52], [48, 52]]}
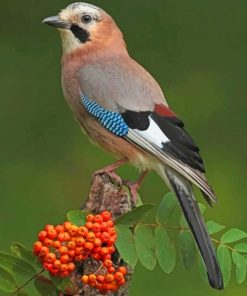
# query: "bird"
{"points": [[121, 108]]}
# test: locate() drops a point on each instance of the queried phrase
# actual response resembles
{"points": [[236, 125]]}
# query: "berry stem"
{"points": [[27, 282]]}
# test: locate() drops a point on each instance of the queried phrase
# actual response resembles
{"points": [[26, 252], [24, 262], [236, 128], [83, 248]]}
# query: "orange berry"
{"points": [[98, 219], [106, 215], [108, 256], [109, 278], [121, 282], [97, 242], [42, 235], [112, 231], [96, 256], [90, 237], [118, 276], [105, 236], [59, 228], [84, 279], [64, 267], [92, 278], [71, 253], [49, 227], [71, 245], [123, 270], [37, 246], [63, 250], [71, 267], [47, 266], [54, 271], [104, 251], [57, 264], [51, 233], [83, 231], [79, 250], [104, 226], [66, 237], [111, 269], [89, 225], [61, 237], [114, 287], [96, 227], [107, 263], [44, 251], [111, 241], [100, 278], [67, 225], [50, 257], [80, 241], [64, 259], [110, 224], [56, 244], [79, 258], [90, 218], [96, 250], [111, 249], [88, 246], [73, 230], [47, 242]]}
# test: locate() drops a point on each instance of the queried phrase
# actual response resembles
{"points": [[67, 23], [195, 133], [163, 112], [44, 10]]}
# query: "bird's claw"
{"points": [[133, 187]]}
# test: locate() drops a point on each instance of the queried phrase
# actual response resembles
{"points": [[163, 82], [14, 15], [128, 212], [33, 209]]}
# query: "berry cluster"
{"points": [[111, 281], [60, 247]]}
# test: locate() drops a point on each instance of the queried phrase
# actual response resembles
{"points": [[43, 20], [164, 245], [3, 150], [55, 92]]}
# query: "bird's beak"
{"points": [[55, 22]]}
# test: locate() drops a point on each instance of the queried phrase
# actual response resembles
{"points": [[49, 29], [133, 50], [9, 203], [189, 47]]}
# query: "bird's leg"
{"points": [[110, 170], [134, 186]]}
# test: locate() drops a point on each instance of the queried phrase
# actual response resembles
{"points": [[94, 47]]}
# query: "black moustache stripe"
{"points": [[80, 33]]}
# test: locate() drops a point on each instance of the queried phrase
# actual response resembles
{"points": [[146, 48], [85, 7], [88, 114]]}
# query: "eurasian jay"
{"points": [[121, 107]]}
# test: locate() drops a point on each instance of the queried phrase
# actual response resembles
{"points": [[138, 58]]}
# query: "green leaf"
{"points": [[135, 216], [166, 208], [25, 254], [233, 235], [214, 227], [45, 286], [225, 261], [77, 217], [241, 247], [62, 284], [145, 246], [126, 245], [7, 282], [202, 208], [241, 264], [21, 293], [165, 250], [202, 269], [18, 268], [182, 222], [187, 249]]}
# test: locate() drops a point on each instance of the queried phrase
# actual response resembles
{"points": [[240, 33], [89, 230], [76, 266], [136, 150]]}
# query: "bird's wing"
{"points": [[123, 87], [162, 134]]}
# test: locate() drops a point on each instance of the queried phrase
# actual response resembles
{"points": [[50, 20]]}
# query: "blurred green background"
{"points": [[197, 50]]}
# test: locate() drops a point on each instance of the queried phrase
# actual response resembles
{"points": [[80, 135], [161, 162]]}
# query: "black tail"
{"points": [[195, 221]]}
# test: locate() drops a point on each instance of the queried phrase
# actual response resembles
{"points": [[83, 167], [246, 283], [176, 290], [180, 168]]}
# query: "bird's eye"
{"points": [[86, 18]]}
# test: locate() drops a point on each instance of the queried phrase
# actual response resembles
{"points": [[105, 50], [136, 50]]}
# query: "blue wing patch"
{"points": [[112, 121]]}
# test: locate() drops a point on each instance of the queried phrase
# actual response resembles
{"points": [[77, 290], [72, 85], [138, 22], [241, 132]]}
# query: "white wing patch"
{"points": [[153, 134]]}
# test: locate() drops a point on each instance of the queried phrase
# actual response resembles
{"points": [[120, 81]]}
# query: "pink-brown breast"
{"points": [[97, 133]]}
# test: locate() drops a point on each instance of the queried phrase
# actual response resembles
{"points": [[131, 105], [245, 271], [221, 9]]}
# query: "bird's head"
{"points": [[87, 27]]}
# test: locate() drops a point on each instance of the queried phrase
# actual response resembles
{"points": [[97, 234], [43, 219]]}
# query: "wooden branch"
{"points": [[104, 195]]}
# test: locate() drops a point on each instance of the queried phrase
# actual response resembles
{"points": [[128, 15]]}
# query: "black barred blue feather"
{"points": [[112, 121]]}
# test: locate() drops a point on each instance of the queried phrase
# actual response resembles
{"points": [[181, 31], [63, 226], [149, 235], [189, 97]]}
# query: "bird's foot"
{"points": [[135, 186], [110, 171]]}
